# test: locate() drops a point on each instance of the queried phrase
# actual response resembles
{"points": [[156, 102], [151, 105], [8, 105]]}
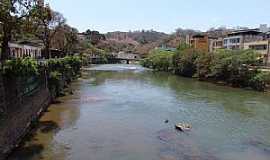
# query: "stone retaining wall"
{"points": [[19, 113], [2, 98]]}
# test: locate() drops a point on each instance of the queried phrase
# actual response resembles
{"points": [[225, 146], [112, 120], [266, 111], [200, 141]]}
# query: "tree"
{"points": [[66, 39], [11, 13], [94, 36], [45, 22]]}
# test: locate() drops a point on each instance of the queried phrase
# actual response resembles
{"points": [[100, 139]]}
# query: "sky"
{"points": [[162, 15]]}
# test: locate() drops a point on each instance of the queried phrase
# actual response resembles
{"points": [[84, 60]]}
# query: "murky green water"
{"points": [[117, 112]]}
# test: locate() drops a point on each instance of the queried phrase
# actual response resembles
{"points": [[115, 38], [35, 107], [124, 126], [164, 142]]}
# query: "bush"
{"points": [[260, 81], [185, 62], [54, 81], [23, 68], [203, 63], [159, 60], [235, 67]]}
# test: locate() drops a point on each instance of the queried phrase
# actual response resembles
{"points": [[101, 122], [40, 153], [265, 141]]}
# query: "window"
{"points": [[235, 40]]}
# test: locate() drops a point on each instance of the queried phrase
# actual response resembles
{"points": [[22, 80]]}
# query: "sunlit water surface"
{"points": [[118, 112]]}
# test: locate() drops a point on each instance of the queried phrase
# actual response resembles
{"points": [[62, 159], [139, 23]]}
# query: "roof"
{"points": [[30, 43], [245, 31], [198, 36]]}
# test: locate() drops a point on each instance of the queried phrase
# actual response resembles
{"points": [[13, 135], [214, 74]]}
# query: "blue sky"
{"points": [[162, 15]]}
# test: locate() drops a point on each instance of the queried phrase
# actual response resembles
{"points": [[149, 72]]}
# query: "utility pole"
{"points": [[268, 52]]}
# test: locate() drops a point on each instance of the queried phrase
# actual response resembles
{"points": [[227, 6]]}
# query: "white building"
{"points": [[236, 39], [264, 28], [24, 50]]}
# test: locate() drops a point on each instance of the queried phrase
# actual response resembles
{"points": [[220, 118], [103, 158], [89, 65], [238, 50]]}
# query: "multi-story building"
{"points": [[259, 46], [199, 42], [236, 39]]}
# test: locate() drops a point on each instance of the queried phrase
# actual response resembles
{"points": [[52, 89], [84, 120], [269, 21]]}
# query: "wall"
{"points": [[22, 109], [2, 98]]}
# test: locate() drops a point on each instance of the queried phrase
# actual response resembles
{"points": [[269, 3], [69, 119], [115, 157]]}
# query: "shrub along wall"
{"points": [[27, 89], [236, 68]]}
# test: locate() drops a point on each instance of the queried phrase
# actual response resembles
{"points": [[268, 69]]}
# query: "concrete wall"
{"points": [[20, 112]]}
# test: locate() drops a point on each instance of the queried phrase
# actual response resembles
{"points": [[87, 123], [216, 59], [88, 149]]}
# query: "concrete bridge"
{"points": [[118, 57]]}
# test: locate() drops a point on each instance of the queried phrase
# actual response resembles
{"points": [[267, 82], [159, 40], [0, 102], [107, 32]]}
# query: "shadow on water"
{"points": [[27, 149], [28, 152], [48, 126]]}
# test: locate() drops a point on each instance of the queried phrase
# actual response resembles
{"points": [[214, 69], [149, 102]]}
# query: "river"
{"points": [[118, 112]]}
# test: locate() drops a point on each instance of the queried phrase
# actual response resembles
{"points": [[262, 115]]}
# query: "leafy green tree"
{"points": [[186, 65], [203, 63], [45, 22], [12, 12]]}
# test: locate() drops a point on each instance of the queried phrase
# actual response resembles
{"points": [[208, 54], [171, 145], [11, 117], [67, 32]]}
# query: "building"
{"points": [[264, 28], [81, 37], [236, 39], [199, 42], [24, 49], [215, 44], [261, 47]]}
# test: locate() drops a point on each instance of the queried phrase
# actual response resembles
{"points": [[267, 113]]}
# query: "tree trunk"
{"points": [[47, 51], [6, 39], [47, 42]]}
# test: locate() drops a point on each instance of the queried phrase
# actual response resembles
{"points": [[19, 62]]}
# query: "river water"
{"points": [[118, 112]]}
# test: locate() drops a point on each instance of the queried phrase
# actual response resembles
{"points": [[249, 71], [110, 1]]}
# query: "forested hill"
{"points": [[141, 37], [145, 40]]}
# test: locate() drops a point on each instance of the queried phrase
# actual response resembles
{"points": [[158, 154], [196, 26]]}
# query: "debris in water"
{"points": [[183, 127]]}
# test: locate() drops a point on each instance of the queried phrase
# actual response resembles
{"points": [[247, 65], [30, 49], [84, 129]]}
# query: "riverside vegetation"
{"points": [[58, 72], [236, 68]]}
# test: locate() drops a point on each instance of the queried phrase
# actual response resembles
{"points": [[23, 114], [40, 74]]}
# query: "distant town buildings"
{"points": [[256, 39]]}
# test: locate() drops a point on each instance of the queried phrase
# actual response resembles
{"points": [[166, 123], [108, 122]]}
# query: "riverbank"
{"points": [[27, 89], [232, 68]]}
